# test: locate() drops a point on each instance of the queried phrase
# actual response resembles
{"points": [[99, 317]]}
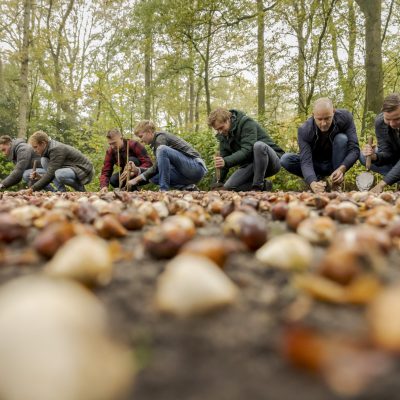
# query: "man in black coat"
{"points": [[386, 156], [328, 147]]}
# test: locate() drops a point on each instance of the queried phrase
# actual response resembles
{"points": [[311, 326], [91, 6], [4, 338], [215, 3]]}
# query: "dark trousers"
{"points": [[114, 180], [291, 161]]}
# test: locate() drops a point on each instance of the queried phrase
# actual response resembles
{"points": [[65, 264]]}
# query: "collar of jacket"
{"points": [[316, 129]]}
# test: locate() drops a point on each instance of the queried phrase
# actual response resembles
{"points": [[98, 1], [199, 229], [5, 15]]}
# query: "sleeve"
{"points": [[247, 140], [56, 161], [306, 161], [353, 149], [23, 160], [150, 172], [107, 170], [142, 155], [385, 153]]}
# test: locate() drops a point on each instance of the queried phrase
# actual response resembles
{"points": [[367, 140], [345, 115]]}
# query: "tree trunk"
{"points": [[260, 60], [23, 81], [207, 64], [148, 49], [373, 54], [301, 90]]}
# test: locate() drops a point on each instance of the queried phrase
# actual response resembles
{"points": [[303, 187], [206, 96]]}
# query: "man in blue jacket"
{"points": [[328, 147], [386, 156]]}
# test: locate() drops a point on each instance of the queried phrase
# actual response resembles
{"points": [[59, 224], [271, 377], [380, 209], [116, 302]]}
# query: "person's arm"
{"points": [[248, 137], [23, 159], [306, 160], [56, 161], [385, 153], [150, 172], [141, 154], [353, 148], [107, 170]]}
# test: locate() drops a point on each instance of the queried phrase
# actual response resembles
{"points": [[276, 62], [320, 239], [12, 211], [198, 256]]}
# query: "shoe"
{"points": [[265, 187], [191, 188]]}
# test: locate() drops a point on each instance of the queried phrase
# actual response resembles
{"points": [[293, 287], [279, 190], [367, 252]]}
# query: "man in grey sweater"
{"points": [[67, 165], [178, 165], [23, 157]]}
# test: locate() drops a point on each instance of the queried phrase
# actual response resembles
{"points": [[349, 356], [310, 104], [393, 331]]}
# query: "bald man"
{"points": [[328, 147]]}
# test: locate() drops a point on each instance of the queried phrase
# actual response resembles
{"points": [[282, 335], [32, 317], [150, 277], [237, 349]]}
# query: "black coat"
{"points": [[307, 137]]}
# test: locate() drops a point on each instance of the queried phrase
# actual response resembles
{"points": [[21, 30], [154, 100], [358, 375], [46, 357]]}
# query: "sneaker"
{"points": [[191, 188]]}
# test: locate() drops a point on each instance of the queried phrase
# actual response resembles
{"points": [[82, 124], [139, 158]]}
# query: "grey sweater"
{"points": [[23, 156], [62, 155]]}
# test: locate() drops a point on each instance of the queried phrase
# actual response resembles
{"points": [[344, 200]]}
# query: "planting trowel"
{"points": [[365, 180]]}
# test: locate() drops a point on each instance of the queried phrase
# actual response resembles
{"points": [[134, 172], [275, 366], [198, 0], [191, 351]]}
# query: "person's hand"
{"points": [[337, 176], [219, 162], [368, 150], [104, 189], [378, 188], [318, 186], [34, 175], [26, 191], [134, 181]]}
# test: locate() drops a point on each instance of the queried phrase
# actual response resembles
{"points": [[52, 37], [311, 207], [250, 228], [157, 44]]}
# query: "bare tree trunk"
{"points": [[148, 49], [207, 64], [2, 86], [260, 60], [23, 81], [372, 10], [191, 88], [301, 90]]}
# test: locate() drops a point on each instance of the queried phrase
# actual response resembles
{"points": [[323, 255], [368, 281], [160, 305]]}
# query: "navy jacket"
{"points": [[308, 134], [388, 149]]}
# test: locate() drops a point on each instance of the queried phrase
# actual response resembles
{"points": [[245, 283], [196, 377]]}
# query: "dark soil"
{"points": [[231, 354]]}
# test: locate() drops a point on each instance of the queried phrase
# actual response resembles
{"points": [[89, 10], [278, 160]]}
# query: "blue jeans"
{"points": [[41, 171], [64, 176], [265, 163], [291, 162], [176, 169]]}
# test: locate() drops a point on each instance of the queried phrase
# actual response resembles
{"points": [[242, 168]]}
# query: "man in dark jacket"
{"points": [[139, 160], [23, 157], [328, 147], [244, 143], [178, 165], [386, 156], [61, 162]]}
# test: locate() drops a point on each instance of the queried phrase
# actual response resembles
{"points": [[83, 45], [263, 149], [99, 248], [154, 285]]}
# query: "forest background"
{"points": [[76, 68]]}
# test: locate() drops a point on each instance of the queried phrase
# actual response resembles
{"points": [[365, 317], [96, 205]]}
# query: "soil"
{"points": [[233, 353]]}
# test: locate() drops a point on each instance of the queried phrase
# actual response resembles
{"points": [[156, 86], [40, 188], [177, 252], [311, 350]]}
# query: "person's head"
{"points": [[5, 145], [114, 138], [391, 110], [323, 112], [220, 120], [145, 131], [39, 141]]}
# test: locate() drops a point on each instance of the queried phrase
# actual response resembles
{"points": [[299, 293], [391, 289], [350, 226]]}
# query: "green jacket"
{"points": [[236, 148]]}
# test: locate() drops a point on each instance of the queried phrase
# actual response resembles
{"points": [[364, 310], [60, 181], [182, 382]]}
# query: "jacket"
{"points": [[236, 148], [308, 134], [111, 159], [23, 156], [62, 155], [388, 149]]}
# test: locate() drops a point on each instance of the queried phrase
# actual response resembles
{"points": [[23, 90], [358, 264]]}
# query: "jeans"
{"points": [[265, 163], [64, 176], [41, 171], [291, 162], [176, 169]]}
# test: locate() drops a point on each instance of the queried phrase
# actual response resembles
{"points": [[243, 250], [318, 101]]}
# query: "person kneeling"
{"points": [[178, 165]]}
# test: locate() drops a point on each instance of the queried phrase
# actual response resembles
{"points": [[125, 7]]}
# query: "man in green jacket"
{"points": [[244, 143]]}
